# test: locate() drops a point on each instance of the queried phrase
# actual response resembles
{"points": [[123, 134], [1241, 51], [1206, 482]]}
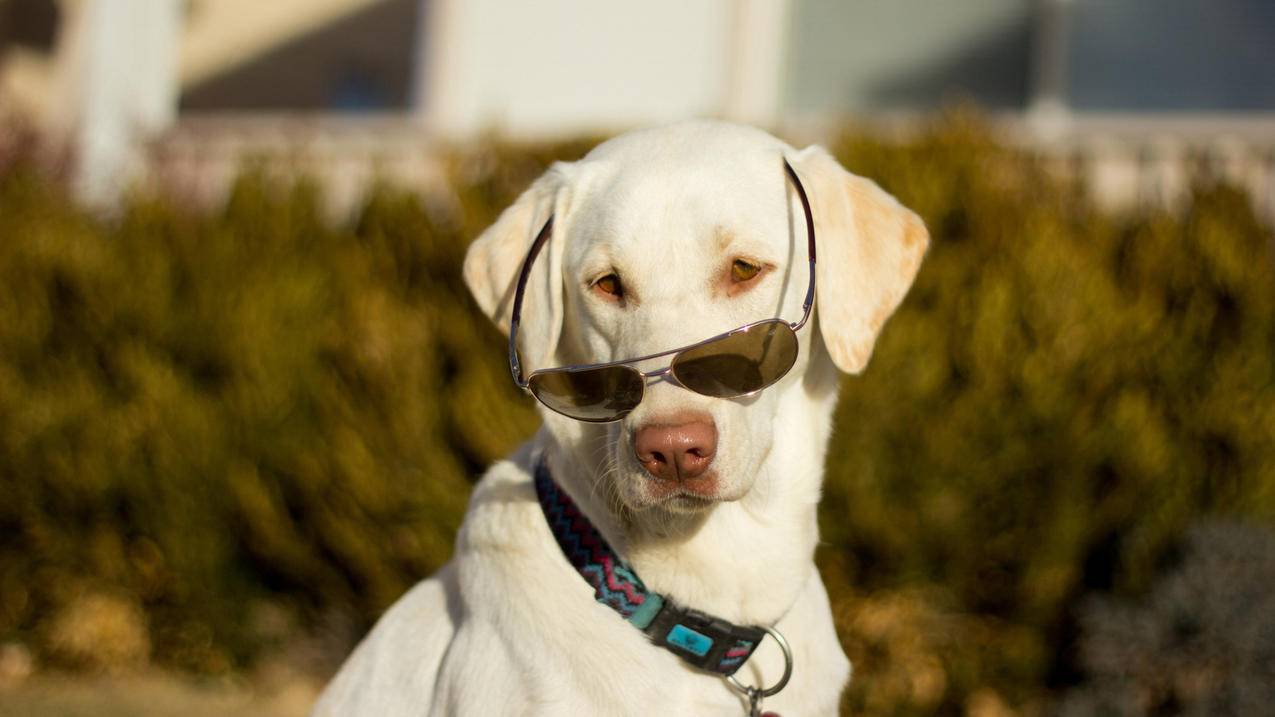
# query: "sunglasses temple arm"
{"points": [[515, 367], [809, 303]]}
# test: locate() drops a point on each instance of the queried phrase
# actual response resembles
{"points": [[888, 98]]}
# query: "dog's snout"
{"points": [[681, 449]]}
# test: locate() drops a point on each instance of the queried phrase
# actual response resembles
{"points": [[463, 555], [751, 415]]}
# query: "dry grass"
{"points": [[155, 694]]}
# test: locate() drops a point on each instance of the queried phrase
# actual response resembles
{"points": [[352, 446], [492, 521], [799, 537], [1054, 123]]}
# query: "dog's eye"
{"points": [[742, 271], [609, 285]]}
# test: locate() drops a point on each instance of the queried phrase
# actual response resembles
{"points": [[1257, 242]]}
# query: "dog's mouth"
{"points": [[681, 496], [688, 503]]}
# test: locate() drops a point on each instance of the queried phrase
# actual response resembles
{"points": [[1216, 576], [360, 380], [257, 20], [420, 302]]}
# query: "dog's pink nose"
{"points": [[680, 450]]}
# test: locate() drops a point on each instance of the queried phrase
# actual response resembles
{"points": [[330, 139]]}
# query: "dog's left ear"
{"points": [[494, 259], [869, 250]]}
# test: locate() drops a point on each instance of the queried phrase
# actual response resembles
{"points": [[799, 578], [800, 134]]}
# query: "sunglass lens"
{"points": [[597, 395], [743, 362]]}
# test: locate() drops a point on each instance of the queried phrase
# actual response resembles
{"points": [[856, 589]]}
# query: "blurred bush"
{"points": [[1202, 643], [199, 412], [1060, 396], [217, 417]]}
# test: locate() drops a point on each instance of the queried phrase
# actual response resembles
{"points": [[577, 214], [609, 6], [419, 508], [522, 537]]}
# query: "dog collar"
{"points": [[707, 642]]}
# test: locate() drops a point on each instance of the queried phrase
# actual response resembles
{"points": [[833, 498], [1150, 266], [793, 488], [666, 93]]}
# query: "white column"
{"points": [[758, 59], [1048, 112], [124, 90], [434, 75]]}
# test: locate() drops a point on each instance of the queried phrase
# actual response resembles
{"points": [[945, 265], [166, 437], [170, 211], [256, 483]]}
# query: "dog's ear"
{"points": [[869, 250], [494, 259]]}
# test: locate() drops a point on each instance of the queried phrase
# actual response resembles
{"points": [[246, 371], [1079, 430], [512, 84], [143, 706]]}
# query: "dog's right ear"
{"points": [[870, 248], [495, 258]]}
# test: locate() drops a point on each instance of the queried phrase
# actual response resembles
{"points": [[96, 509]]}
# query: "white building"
{"points": [[357, 87]]}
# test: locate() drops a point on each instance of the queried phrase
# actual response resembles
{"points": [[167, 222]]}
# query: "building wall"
{"points": [[357, 61], [557, 67], [870, 55], [1118, 55], [1178, 55]]}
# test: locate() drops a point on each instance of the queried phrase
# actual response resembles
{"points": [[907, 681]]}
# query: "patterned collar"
{"points": [[709, 643]]}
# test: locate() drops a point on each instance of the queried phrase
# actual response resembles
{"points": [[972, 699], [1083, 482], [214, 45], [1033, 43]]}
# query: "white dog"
{"points": [[659, 239]]}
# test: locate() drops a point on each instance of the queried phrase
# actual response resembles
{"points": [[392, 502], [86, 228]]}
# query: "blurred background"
{"points": [[239, 415]]}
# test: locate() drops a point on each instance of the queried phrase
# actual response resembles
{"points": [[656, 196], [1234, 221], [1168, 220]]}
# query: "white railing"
{"points": [[1127, 160]]}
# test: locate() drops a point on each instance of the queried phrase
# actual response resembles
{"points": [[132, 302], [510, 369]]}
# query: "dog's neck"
{"points": [[746, 560]]}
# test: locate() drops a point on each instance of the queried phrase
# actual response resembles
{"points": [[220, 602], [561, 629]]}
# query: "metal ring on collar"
{"points": [[773, 689]]}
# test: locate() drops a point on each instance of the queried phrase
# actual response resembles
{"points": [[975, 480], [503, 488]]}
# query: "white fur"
{"points": [[508, 627]]}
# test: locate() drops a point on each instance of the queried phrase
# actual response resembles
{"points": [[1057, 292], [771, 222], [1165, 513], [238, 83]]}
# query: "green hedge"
{"points": [[223, 417], [1061, 395]]}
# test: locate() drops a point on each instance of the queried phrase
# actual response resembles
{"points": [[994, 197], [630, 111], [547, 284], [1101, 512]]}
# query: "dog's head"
{"points": [[665, 237]]}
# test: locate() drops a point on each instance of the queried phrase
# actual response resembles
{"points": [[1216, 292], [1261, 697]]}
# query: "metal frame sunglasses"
{"points": [[734, 364]]}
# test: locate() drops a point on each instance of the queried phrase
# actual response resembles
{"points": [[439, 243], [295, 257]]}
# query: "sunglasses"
{"points": [[734, 364]]}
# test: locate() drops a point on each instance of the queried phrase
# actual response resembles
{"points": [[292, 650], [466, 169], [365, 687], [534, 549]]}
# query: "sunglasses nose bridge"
{"points": [[659, 372], [663, 374]]}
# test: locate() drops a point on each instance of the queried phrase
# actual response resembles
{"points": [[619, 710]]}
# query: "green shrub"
{"points": [[221, 416], [1062, 394], [1202, 643], [201, 412]]}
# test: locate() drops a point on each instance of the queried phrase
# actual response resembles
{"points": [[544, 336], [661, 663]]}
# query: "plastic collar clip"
{"points": [[704, 641]]}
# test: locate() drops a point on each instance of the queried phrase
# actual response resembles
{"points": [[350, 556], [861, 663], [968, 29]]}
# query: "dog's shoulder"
{"points": [[451, 622], [503, 510], [394, 669]]}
